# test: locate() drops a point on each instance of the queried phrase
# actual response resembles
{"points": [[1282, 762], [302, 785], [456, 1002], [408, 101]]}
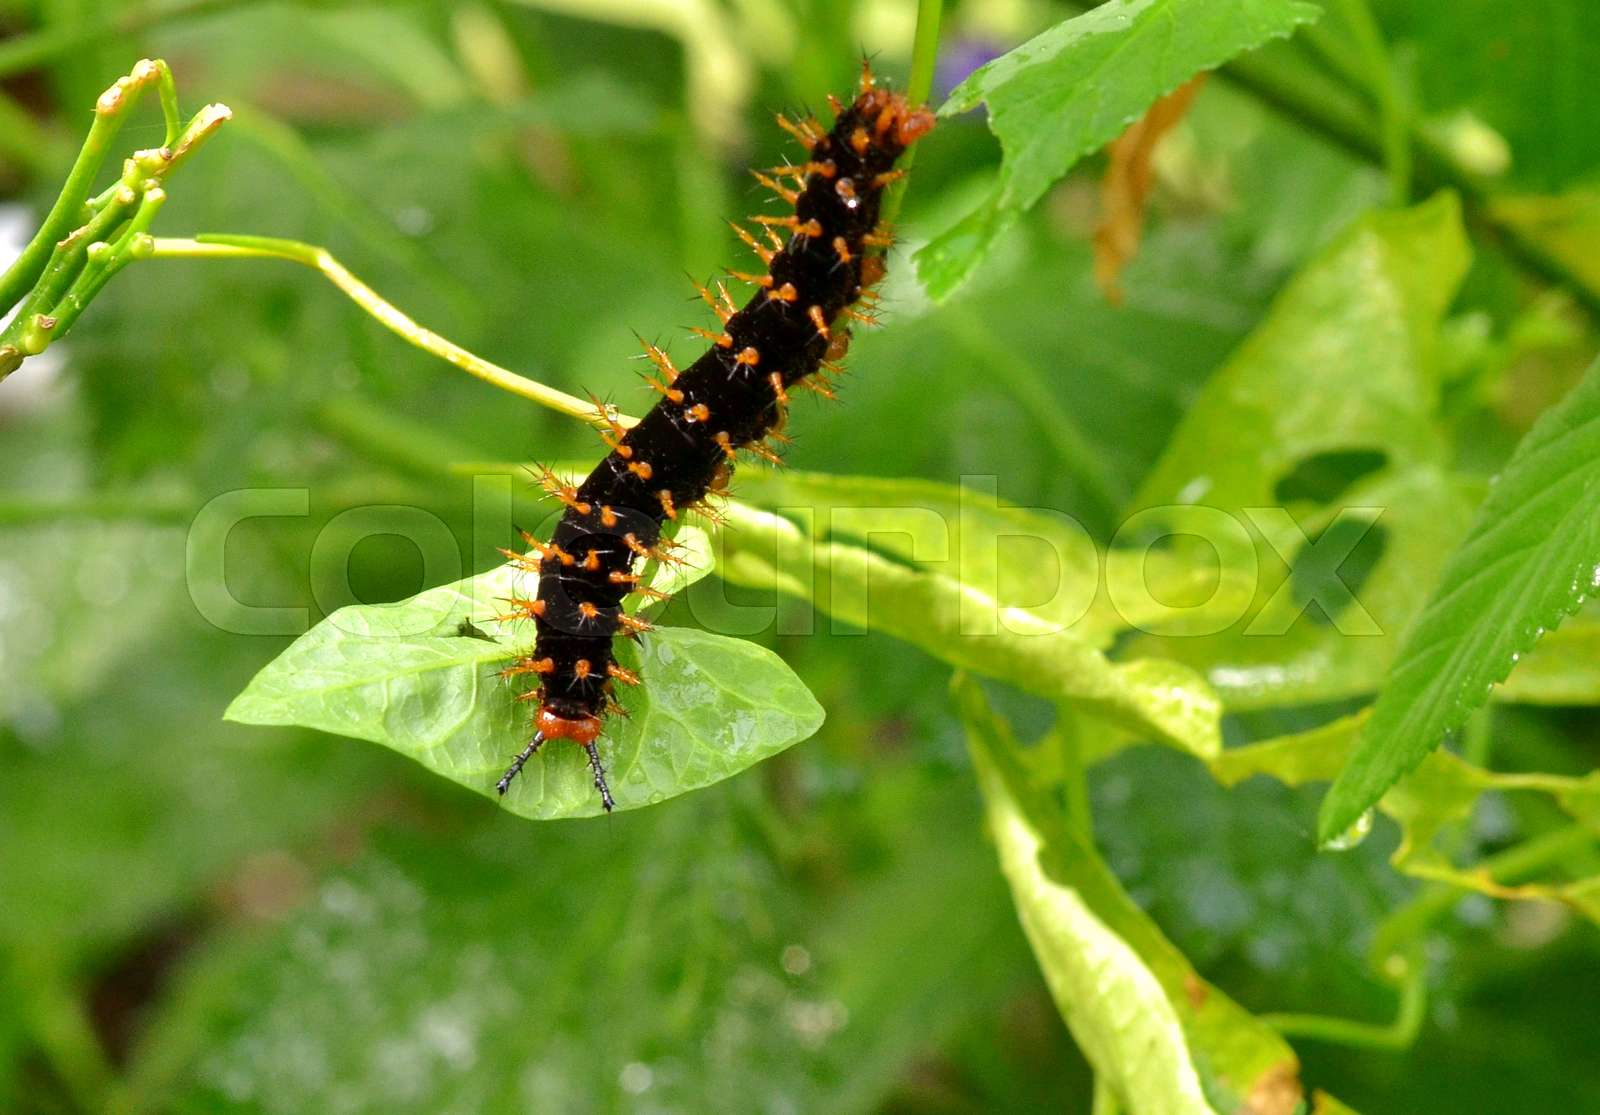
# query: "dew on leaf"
{"points": [[1352, 836]]}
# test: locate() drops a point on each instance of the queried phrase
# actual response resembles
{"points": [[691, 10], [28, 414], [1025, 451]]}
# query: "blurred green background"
{"points": [[196, 916]]}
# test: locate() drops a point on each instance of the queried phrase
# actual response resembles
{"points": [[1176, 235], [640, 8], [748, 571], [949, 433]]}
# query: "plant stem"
{"points": [[1399, 1034], [919, 86], [68, 210], [322, 261], [1075, 775]]}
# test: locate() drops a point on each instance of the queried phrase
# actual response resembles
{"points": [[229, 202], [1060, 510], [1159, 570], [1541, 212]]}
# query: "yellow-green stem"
{"points": [[322, 261]]}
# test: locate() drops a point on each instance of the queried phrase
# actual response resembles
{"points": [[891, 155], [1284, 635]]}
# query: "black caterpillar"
{"points": [[731, 398]]}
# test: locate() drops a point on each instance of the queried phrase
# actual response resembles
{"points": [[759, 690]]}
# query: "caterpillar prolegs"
{"points": [[820, 259]]}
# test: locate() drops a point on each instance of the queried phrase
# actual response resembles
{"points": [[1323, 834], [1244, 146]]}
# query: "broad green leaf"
{"points": [[1343, 364], [964, 624], [1530, 559], [1161, 1037], [1074, 88], [422, 677]]}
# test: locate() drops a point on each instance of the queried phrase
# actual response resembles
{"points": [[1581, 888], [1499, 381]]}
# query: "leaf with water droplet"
{"points": [[1536, 535]]}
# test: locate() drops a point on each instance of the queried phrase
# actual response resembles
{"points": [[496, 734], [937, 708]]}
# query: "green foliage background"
{"points": [[1369, 269]]}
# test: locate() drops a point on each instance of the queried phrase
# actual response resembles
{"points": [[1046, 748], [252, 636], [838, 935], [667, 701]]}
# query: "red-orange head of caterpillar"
{"points": [[579, 729]]}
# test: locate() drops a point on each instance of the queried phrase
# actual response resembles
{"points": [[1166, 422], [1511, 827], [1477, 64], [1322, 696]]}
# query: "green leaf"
{"points": [[1074, 88], [1344, 364], [1530, 559], [415, 677], [1161, 1037], [915, 595]]}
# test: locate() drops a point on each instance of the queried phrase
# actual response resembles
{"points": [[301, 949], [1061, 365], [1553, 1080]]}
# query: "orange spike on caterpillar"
{"points": [[566, 493], [634, 623], [666, 390], [814, 312], [521, 609], [790, 221], [625, 676], [723, 308], [764, 452], [762, 252], [721, 340], [808, 132], [819, 386], [661, 360], [527, 563], [529, 665], [783, 192], [634, 584]]}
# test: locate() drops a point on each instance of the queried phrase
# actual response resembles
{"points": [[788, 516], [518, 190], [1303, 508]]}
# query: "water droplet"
{"points": [[1352, 836], [657, 798]]}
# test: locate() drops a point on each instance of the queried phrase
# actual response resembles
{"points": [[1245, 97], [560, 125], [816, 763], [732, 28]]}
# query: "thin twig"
{"points": [[322, 261]]}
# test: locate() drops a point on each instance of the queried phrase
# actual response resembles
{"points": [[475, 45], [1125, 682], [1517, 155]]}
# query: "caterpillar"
{"points": [[821, 258]]}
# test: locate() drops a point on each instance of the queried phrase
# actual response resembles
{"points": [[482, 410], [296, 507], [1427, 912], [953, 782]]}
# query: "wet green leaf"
{"points": [[1074, 88], [422, 676], [1530, 559]]}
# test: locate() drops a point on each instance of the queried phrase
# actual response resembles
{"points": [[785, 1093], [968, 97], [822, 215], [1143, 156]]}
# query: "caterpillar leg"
{"points": [[516, 765], [599, 776]]}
